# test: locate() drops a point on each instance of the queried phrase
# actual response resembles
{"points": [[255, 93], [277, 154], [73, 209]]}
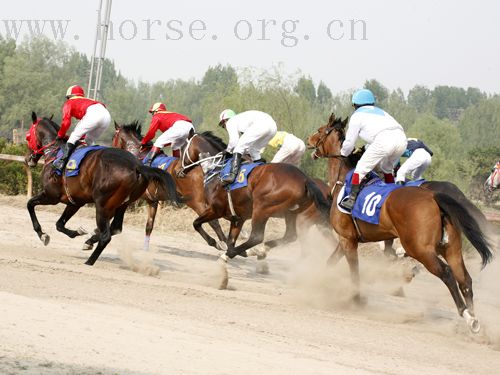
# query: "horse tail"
{"points": [[321, 203], [163, 179], [461, 218]]}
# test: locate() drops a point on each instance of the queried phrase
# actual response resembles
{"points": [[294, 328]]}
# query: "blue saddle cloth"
{"points": [[372, 196], [161, 161], [76, 158], [242, 178]]}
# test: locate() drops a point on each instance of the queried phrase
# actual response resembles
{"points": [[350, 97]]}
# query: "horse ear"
{"points": [[51, 117], [33, 117], [344, 123], [116, 125], [331, 119]]}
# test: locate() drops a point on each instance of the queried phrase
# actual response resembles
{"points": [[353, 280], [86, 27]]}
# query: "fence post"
{"points": [[29, 188]]}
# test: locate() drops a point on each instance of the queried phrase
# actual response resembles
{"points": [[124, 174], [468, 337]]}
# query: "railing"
{"points": [[20, 159]]}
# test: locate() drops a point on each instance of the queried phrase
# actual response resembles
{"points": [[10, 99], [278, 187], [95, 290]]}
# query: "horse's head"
{"points": [[40, 137], [128, 137], [327, 141]]}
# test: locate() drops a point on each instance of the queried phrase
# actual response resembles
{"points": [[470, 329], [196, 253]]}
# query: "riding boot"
{"points": [[235, 167], [151, 155], [348, 203], [60, 164]]}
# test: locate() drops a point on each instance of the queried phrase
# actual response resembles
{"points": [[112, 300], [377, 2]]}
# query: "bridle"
{"points": [[319, 143], [130, 145]]}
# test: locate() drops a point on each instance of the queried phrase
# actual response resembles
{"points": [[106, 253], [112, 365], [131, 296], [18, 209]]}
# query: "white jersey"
{"points": [[240, 123], [367, 122]]}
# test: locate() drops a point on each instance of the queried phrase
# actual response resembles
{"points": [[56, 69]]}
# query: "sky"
{"points": [[342, 43]]}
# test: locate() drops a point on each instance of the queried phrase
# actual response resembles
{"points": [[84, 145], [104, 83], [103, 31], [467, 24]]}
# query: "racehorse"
{"points": [[492, 182], [110, 178], [429, 224], [273, 190], [189, 181]]}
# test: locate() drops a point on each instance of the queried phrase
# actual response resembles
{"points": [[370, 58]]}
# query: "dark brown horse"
{"points": [[274, 190], [189, 181], [429, 224], [110, 178]]}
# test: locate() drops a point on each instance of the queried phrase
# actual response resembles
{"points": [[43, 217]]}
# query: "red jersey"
{"points": [[75, 107], [162, 121]]}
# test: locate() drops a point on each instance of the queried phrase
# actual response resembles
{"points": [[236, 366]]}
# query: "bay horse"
{"points": [[110, 178], [189, 181], [274, 190], [429, 225]]}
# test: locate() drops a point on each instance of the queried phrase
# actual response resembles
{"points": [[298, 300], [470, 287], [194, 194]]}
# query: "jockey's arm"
{"points": [[351, 136], [66, 120], [153, 127], [234, 135]]}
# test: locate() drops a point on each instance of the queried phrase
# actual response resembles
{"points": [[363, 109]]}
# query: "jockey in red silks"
{"points": [[175, 128], [94, 120]]}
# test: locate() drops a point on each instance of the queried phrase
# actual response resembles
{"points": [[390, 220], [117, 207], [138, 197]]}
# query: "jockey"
{"points": [[419, 159], [385, 135], [256, 129], [94, 120], [290, 148], [175, 128]]}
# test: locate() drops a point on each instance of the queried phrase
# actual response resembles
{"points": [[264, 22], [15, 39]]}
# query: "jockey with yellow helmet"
{"points": [[94, 120], [249, 132], [385, 136], [175, 127], [290, 148]]}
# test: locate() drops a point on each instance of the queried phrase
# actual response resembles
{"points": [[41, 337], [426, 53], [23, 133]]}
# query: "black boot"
{"points": [[235, 167], [348, 203], [151, 155], [61, 163]]}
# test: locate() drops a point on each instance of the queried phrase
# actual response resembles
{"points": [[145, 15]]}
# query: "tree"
{"points": [[324, 95], [305, 89], [380, 91], [420, 98]]}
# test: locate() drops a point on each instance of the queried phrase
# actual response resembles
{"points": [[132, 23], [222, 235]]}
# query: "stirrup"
{"points": [[348, 204]]}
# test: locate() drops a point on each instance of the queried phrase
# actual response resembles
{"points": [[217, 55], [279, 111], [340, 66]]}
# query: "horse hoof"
{"points": [[475, 326], [45, 238], [81, 231], [221, 245], [87, 247]]}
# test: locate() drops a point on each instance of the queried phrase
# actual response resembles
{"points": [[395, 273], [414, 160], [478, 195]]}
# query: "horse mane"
{"points": [[215, 141], [134, 127], [339, 125], [52, 123]]}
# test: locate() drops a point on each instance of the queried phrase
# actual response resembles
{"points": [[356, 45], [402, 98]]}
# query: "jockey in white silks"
{"points": [[419, 159], [290, 148], [249, 132], [381, 131]]}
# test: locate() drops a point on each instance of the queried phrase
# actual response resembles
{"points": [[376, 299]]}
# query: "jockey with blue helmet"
{"points": [[385, 136]]}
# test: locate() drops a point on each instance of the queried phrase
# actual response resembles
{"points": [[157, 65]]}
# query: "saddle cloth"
{"points": [[76, 158], [372, 196], [242, 177]]}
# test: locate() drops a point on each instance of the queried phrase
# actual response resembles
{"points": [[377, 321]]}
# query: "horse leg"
{"points": [[115, 228], [205, 217], [40, 199], [152, 210], [256, 237], [102, 217], [336, 256], [215, 225], [290, 232], [389, 251], [454, 258], [68, 213], [350, 248]]}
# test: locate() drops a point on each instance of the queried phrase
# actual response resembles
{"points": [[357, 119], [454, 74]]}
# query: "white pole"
{"points": [[97, 35], [104, 39]]}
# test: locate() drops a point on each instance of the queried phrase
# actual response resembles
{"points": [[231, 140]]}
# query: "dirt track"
{"points": [[60, 316]]}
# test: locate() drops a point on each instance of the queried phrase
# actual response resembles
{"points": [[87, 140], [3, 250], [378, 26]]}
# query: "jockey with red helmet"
{"points": [[94, 120], [175, 128]]}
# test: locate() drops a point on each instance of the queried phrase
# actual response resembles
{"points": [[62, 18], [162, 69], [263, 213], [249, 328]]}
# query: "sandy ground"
{"points": [[58, 316]]}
